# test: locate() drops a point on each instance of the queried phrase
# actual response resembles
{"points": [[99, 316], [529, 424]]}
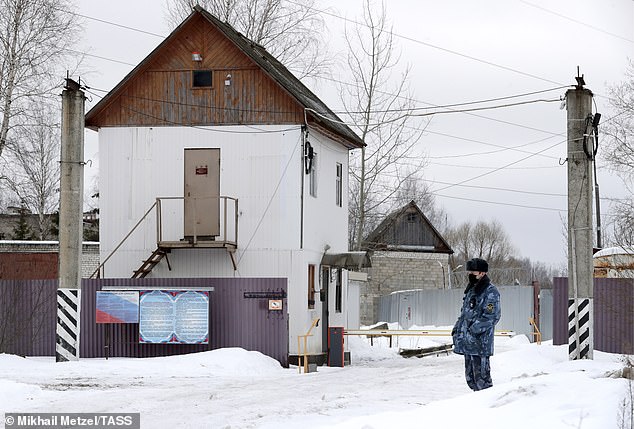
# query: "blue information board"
{"points": [[174, 317]]}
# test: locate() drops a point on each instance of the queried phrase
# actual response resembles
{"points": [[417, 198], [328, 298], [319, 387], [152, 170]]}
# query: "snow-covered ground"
{"points": [[535, 386]]}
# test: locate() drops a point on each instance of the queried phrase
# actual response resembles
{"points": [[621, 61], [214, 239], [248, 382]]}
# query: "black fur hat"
{"points": [[477, 264]]}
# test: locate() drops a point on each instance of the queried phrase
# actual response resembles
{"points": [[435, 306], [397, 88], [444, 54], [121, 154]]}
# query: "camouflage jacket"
{"points": [[474, 330]]}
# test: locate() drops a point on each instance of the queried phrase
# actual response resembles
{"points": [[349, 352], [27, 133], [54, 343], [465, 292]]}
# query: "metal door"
{"points": [[202, 193], [325, 311], [405, 310]]}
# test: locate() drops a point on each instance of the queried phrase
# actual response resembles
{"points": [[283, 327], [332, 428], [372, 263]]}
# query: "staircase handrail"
{"points": [[124, 239]]}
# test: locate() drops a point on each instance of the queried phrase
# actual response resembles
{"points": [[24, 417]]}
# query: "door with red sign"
{"points": [[202, 193]]}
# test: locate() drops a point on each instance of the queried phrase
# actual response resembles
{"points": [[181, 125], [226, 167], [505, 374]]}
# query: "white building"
{"points": [[223, 164]]}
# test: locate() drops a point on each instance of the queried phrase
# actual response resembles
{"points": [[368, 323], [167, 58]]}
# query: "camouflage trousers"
{"points": [[477, 371]]}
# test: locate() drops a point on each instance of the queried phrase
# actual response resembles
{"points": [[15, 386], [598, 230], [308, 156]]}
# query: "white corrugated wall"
{"points": [[262, 167]]}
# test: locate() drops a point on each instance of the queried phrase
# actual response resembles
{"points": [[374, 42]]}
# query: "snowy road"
{"points": [[233, 388]]}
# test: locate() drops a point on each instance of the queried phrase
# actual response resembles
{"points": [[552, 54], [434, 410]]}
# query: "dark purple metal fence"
{"points": [[613, 312], [27, 318], [560, 310], [238, 317], [613, 315]]}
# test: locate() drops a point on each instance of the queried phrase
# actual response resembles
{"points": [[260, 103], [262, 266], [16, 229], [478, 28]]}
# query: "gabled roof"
{"points": [[390, 235], [269, 64]]}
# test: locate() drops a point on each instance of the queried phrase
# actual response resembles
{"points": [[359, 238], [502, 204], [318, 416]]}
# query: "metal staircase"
{"points": [[228, 238], [151, 262]]}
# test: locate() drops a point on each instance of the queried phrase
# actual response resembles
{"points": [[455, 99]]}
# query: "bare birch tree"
{"points": [[486, 240], [293, 32], [35, 41], [489, 241], [33, 154], [381, 108]]}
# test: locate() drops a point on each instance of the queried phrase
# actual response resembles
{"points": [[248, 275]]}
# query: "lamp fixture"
{"points": [[196, 56]]}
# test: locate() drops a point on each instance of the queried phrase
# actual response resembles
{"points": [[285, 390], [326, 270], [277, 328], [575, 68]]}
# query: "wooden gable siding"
{"points": [[406, 229], [161, 92], [411, 229]]}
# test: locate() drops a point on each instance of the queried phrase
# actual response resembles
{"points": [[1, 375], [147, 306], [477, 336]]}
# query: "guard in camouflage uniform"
{"points": [[473, 332]]}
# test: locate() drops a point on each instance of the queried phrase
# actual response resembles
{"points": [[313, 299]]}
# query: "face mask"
{"points": [[473, 279]]}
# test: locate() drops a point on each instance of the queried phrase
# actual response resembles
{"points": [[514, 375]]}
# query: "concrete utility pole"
{"points": [[70, 223], [580, 231]]}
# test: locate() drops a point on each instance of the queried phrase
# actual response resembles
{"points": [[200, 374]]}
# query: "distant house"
{"points": [[407, 253], [220, 163], [614, 262]]}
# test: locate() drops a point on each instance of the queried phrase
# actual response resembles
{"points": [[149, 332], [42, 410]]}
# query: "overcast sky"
{"points": [[459, 51]]}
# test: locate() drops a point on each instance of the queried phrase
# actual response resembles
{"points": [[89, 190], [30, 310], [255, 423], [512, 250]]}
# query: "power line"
{"points": [[503, 148], [446, 106], [347, 83], [500, 204], [419, 115], [498, 169], [576, 21], [511, 204], [281, 112], [518, 191], [440, 48], [101, 58], [347, 20], [479, 167], [426, 114], [393, 110], [113, 23], [217, 130], [504, 167], [158, 35], [202, 106], [439, 106]]}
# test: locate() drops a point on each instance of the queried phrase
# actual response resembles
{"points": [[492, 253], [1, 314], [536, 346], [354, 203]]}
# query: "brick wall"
{"points": [[397, 271], [38, 260]]}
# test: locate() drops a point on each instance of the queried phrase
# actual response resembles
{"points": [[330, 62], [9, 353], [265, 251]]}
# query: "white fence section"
{"points": [[424, 307], [546, 314]]}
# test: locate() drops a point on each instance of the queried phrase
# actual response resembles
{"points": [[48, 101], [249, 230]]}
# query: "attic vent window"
{"points": [[201, 78], [411, 217]]}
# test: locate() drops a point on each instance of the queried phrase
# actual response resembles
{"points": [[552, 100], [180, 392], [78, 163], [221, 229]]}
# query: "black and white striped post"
{"points": [[580, 231], [67, 330], [70, 223], [580, 342]]}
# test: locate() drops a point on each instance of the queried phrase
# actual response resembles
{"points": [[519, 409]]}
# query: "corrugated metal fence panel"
{"points": [[546, 314], [239, 319], [27, 317], [438, 307], [388, 308], [613, 315], [560, 310], [613, 306], [441, 308], [517, 308]]}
